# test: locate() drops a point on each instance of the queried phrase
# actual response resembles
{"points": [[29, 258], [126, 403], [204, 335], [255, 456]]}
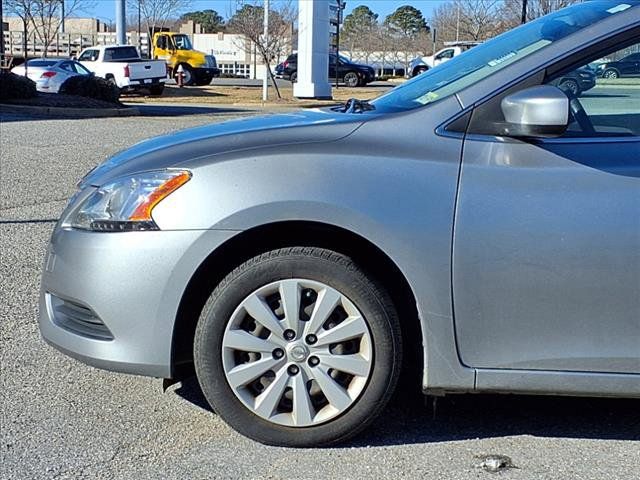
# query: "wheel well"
{"points": [[419, 68], [287, 234]]}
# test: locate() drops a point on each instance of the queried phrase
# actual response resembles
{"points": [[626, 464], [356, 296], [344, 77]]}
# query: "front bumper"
{"points": [[111, 299]]}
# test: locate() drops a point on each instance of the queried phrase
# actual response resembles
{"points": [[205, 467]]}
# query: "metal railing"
{"points": [[65, 44]]}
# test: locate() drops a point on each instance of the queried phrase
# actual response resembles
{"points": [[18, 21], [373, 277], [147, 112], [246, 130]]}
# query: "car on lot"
{"points": [[50, 74], [476, 228], [350, 73], [452, 49], [629, 66], [578, 81], [122, 66]]}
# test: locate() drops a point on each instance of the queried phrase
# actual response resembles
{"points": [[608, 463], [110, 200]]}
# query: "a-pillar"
{"points": [[313, 50]]}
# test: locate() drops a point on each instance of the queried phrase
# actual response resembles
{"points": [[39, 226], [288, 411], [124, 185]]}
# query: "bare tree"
{"points": [[43, 16], [248, 20], [475, 20], [158, 14], [511, 10]]}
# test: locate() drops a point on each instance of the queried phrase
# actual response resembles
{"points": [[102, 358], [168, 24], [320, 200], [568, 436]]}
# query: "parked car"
{"points": [[475, 227], [452, 49], [352, 74], [628, 66], [50, 74], [278, 72], [578, 81], [122, 65]]}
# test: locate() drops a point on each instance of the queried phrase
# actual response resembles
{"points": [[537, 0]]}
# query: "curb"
{"points": [[70, 112]]}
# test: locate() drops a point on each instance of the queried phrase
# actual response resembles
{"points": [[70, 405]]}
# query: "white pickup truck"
{"points": [[451, 49], [122, 65]]}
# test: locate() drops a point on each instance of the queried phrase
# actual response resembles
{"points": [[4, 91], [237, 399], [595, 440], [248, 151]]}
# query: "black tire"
{"points": [[294, 77], [351, 79], [204, 80], [419, 70], [321, 265], [611, 73], [156, 90], [571, 86], [189, 76]]}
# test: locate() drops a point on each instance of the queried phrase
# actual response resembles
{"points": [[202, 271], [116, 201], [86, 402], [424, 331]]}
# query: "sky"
{"points": [[106, 8]]}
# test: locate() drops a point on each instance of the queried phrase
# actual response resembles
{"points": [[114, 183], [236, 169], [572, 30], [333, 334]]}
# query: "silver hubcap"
{"points": [[297, 352]]}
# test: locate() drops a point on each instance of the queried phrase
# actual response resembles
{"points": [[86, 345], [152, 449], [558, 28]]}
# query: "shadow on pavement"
{"points": [[184, 110], [410, 418]]}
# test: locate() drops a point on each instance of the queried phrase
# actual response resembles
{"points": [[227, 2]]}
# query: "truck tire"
{"points": [[204, 80], [189, 77]]}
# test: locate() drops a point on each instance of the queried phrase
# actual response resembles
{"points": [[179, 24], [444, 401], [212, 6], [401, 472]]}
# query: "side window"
{"points": [[66, 66], [447, 54], [604, 94], [162, 42], [89, 56]]}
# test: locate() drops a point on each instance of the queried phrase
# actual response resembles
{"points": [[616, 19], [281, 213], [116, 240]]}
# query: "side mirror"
{"points": [[541, 111]]}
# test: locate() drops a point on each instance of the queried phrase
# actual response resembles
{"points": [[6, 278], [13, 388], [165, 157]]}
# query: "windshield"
{"points": [[490, 57], [182, 42]]}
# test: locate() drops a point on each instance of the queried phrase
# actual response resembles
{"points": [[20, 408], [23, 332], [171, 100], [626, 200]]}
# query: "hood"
{"points": [[183, 147]]}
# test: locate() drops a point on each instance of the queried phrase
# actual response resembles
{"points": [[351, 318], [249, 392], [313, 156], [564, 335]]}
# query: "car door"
{"points": [[631, 65], [546, 256], [332, 66]]}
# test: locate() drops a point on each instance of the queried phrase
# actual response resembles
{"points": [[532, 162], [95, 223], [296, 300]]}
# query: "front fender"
{"points": [[395, 190]]}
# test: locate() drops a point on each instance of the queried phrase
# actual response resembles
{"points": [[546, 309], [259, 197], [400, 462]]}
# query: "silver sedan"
{"points": [[476, 229], [49, 75]]}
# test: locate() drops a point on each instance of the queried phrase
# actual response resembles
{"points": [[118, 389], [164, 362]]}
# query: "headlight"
{"points": [[126, 203]]}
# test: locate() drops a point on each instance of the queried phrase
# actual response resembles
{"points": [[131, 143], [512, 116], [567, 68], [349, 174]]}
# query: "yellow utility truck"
{"points": [[176, 49]]}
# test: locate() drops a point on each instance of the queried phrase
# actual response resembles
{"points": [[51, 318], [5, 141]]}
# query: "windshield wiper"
{"points": [[353, 105]]}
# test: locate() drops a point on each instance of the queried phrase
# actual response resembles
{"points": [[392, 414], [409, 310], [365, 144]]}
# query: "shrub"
{"points": [[92, 87], [14, 87]]}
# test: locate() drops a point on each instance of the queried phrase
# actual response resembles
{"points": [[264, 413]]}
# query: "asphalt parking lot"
{"points": [[62, 419]]}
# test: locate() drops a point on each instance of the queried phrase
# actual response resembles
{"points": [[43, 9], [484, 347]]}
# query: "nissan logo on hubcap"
{"points": [[299, 353]]}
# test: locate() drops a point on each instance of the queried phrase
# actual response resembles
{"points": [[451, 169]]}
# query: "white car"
{"points": [[122, 65], [49, 75], [452, 49]]}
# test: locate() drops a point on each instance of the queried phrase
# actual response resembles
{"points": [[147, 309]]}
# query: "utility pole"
{"points": [[265, 83], [524, 12], [62, 15], [121, 25]]}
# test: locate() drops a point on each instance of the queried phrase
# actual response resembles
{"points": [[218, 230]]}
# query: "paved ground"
{"points": [[61, 419]]}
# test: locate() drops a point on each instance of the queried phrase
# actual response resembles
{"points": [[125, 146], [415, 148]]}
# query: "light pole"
{"points": [[265, 84], [62, 15], [341, 6], [139, 32], [524, 12], [121, 29]]}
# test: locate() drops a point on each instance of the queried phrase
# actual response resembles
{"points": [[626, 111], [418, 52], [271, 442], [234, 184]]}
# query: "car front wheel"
{"points": [[298, 347], [351, 79], [611, 74]]}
